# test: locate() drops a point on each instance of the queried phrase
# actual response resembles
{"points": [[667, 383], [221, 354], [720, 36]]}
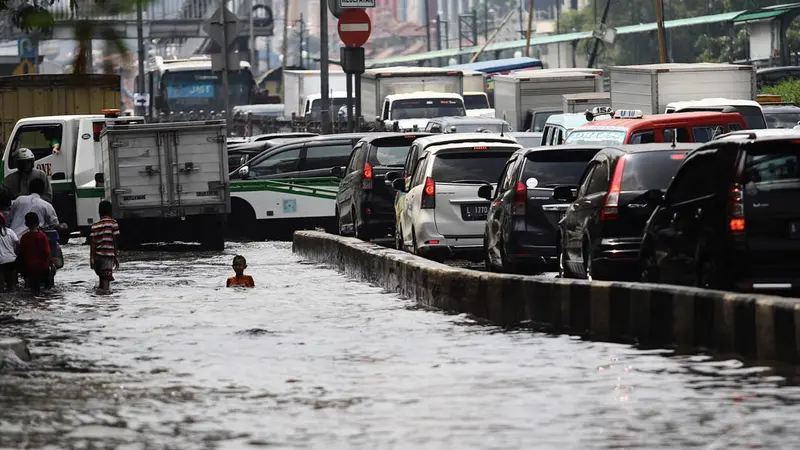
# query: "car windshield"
{"points": [[476, 101], [753, 116], [390, 156], [650, 170], [425, 108], [783, 120], [336, 104], [772, 166], [596, 137], [476, 167], [551, 168], [477, 127]]}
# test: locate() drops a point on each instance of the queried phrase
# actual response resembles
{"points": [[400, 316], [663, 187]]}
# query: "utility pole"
{"points": [[324, 69], [662, 41], [252, 44], [225, 54], [428, 24], [300, 55], [140, 109], [285, 47], [485, 20], [593, 57], [530, 29]]}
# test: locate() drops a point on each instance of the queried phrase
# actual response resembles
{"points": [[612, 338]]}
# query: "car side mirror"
{"points": [[244, 171], [59, 176], [337, 171], [99, 178], [486, 192], [399, 185], [654, 197], [563, 193]]}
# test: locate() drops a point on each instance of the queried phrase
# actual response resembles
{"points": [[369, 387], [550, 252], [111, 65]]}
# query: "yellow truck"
{"points": [[24, 96]]}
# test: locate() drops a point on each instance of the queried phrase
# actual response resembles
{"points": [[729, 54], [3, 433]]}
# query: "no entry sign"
{"points": [[354, 27]]}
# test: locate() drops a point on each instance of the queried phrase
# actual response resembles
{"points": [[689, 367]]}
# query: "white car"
{"points": [[441, 215]]}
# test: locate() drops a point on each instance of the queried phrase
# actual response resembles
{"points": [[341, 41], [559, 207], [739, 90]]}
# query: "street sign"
{"points": [[233, 61], [354, 27], [214, 27], [27, 48], [26, 67], [344, 4], [141, 100]]}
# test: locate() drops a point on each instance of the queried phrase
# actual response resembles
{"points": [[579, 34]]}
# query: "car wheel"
{"points": [[398, 238], [649, 271], [587, 263], [487, 259], [707, 274], [339, 223]]}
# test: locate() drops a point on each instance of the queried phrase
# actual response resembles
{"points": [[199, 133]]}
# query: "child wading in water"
{"points": [[239, 264], [8, 255], [103, 256], [34, 249]]}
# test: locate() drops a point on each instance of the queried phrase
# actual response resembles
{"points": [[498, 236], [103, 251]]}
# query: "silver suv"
{"points": [[441, 215]]}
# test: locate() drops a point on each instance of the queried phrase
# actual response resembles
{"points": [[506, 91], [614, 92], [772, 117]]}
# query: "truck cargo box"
{"points": [[578, 103]]}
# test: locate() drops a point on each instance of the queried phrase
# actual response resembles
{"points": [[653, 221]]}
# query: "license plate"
{"points": [[474, 212], [794, 230]]}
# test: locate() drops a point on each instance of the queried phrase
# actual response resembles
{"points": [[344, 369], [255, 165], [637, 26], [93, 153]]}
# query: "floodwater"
{"points": [[310, 359]]}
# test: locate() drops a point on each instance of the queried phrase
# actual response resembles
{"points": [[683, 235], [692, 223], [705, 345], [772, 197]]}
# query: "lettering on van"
{"points": [[134, 197], [47, 168], [208, 194]]}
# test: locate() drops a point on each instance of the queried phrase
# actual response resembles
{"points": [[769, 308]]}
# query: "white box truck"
{"points": [[579, 103], [526, 99], [300, 84], [397, 95], [167, 182], [650, 88]]}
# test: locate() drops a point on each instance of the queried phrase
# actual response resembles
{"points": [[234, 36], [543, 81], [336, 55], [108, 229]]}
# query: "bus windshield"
{"points": [[423, 108], [195, 90]]}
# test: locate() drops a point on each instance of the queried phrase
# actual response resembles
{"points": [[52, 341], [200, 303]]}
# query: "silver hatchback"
{"points": [[441, 215]]}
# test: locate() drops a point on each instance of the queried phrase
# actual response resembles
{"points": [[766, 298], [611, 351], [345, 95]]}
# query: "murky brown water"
{"points": [[310, 359]]}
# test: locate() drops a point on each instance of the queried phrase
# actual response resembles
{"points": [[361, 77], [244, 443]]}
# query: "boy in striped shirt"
{"points": [[103, 256]]}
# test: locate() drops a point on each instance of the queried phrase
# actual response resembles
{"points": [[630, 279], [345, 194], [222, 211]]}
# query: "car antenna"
{"points": [[502, 129], [674, 139]]}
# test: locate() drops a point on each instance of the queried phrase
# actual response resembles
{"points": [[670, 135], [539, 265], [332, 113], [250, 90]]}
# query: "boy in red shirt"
{"points": [[239, 264], [34, 249], [103, 256]]}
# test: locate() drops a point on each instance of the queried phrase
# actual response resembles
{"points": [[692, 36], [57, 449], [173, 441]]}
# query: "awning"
{"points": [[769, 12]]}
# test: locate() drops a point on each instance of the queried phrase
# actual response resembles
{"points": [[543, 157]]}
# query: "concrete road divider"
{"points": [[755, 326]]}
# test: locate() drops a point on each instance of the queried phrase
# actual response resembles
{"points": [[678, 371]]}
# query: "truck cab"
{"points": [[73, 169], [558, 126], [633, 127], [312, 106], [409, 112], [477, 104]]}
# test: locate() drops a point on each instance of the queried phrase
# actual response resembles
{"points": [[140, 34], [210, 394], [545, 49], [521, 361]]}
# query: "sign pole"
{"points": [[139, 106], [225, 54], [324, 69], [358, 99]]}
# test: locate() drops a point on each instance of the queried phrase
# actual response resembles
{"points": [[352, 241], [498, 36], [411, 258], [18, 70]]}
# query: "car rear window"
{"points": [[390, 151], [772, 165], [753, 116], [556, 167], [650, 170], [469, 167]]}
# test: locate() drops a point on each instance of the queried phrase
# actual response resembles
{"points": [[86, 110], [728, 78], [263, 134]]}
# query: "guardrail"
{"points": [[755, 326]]}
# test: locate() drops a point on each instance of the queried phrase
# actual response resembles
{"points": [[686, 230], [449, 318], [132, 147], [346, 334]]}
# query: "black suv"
{"points": [[521, 232], [364, 203], [730, 218], [600, 234]]}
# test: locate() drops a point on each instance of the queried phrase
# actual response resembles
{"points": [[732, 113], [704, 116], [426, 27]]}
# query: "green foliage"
{"points": [[788, 90]]}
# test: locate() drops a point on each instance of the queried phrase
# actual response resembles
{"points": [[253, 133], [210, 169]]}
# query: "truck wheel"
{"points": [[214, 238]]}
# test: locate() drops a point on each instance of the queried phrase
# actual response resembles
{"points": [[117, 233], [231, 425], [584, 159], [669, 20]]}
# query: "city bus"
{"points": [[180, 88]]}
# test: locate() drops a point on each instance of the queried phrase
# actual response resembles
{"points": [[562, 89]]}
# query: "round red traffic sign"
{"points": [[354, 27]]}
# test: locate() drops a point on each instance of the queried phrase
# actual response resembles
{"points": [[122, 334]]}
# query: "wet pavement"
{"points": [[310, 359]]}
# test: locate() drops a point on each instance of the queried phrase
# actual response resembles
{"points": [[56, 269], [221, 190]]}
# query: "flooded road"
{"points": [[310, 359]]}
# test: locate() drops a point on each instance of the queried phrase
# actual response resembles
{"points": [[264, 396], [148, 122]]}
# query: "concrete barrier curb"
{"points": [[16, 346], [755, 326]]}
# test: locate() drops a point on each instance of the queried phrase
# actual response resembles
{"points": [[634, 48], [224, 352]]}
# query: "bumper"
{"points": [[532, 247], [432, 244], [617, 258]]}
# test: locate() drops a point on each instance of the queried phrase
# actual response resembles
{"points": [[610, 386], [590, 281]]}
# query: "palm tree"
{"points": [[38, 16]]}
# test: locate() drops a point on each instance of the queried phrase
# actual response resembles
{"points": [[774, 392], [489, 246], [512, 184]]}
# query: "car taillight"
{"points": [[520, 197], [366, 183], [736, 223], [429, 194], [611, 203]]}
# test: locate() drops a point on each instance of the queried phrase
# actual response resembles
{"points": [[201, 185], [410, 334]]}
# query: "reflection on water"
{"points": [[310, 359]]}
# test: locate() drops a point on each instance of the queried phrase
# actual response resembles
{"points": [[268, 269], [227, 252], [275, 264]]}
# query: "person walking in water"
{"points": [[33, 202], [34, 250], [8, 255], [239, 264], [103, 253], [19, 182]]}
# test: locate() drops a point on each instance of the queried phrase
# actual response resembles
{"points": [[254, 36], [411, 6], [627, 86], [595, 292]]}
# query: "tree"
{"points": [[38, 16]]}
